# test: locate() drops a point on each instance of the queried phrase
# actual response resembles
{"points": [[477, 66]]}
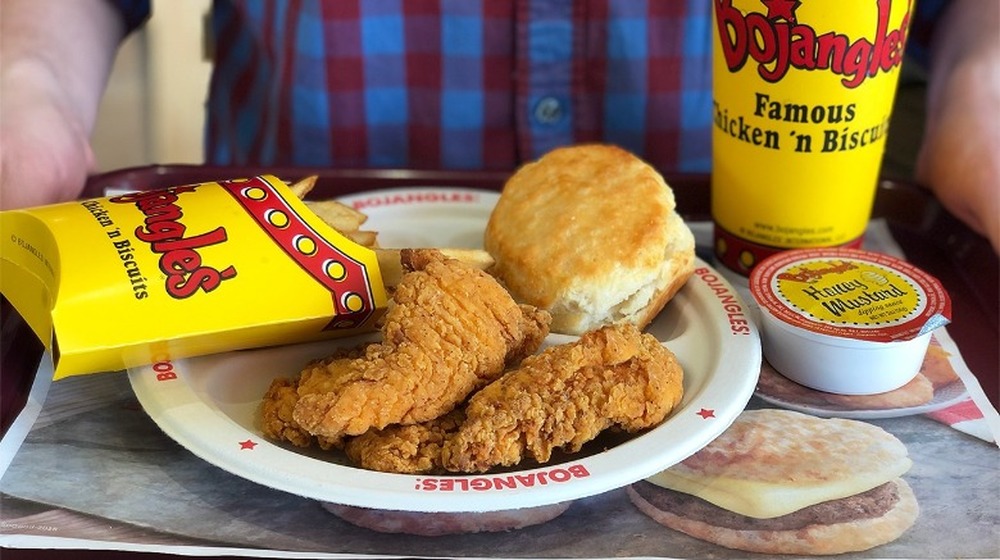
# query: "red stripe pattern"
{"points": [[346, 279]]}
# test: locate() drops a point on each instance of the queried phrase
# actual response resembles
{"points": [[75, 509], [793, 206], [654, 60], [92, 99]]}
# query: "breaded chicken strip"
{"points": [[413, 449], [450, 330], [280, 399], [566, 396]]}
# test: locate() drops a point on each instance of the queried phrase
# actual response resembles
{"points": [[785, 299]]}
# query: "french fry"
{"points": [[362, 237], [339, 216], [475, 257], [348, 221], [392, 269], [302, 187]]}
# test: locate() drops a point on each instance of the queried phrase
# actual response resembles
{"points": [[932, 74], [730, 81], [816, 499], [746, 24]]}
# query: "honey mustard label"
{"points": [[125, 280], [843, 292], [802, 100], [850, 293]]}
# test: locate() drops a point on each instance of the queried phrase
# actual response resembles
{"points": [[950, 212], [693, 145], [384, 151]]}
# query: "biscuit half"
{"points": [[591, 234]]}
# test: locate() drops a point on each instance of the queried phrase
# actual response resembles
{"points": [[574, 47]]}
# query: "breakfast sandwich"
{"points": [[590, 233], [783, 482]]}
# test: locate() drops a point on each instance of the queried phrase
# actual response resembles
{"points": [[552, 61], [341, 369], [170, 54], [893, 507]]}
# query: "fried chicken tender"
{"points": [[615, 376], [413, 449], [276, 414], [450, 330], [279, 401]]}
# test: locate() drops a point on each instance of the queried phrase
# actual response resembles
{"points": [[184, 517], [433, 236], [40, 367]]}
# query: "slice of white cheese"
{"points": [[765, 500]]}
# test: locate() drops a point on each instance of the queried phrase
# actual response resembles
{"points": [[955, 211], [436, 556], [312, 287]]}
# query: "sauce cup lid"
{"points": [[851, 294]]}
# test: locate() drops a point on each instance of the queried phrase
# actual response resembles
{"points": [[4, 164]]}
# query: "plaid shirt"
{"points": [[456, 83]]}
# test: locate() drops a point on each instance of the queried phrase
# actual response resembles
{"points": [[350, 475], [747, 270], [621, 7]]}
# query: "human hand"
{"points": [[958, 161], [958, 156], [45, 153], [55, 58]]}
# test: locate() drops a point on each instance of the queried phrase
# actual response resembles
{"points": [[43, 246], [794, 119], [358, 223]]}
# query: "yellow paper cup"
{"points": [[803, 92]]}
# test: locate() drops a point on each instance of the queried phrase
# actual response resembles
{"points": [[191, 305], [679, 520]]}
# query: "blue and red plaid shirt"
{"points": [[456, 83]]}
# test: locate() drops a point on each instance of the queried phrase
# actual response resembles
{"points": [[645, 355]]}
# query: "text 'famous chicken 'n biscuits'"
{"points": [[590, 233]]}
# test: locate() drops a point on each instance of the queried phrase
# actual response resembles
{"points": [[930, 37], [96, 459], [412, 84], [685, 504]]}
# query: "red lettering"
{"points": [[180, 262], [204, 278], [527, 480], [733, 28], [157, 230], [446, 484], [200, 241], [180, 259], [738, 323], [559, 475], [413, 198], [856, 63], [428, 484], [556, 475], [506, 482], [739, 327], [164, 371], [480, 484], [777, 44]]}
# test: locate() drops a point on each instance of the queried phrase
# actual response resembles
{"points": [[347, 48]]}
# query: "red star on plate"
{"points": [[781, 9], [248, 444], [706, 413]]}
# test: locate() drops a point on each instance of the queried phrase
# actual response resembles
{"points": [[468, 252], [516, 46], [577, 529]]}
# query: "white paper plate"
{"points": [[211, 407]]}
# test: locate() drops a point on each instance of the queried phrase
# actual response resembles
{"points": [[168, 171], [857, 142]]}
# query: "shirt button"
{"points": [[548, 110]]}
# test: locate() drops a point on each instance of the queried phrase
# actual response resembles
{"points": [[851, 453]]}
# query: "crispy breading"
{"points": [[276, 413], [566, 396], [450, 330], [279, 401], [413, 449]]}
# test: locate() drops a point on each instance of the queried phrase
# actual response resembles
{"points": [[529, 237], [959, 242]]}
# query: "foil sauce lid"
{"points": [[850, 294]]}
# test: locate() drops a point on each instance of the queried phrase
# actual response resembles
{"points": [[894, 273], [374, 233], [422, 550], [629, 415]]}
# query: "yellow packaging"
{"points": [[803, 92], [115, 282]]}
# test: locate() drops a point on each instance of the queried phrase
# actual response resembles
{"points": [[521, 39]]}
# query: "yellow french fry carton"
{"points": [[111, 283]]}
